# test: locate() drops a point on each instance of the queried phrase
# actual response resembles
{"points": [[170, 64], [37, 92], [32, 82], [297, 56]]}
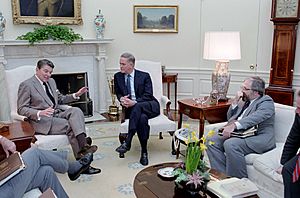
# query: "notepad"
{"points": [[10, 167], [233, 188]]}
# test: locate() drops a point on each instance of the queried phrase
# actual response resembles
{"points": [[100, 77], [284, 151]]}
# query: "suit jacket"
{"points": [[292, 143], [33, 98], [142, 87], [261, 112]]}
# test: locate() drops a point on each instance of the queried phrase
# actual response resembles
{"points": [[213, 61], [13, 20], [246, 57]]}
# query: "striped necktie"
{"points": [[128, 86], [48, 93], [246, 105], [296, 172]]}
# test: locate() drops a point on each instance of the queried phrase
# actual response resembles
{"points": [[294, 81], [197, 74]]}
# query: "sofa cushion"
{"points": [[269, 162], [284, 118], [250, 158]]}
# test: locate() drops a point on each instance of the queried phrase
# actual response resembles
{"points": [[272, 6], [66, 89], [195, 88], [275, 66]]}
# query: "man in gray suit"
{"points": [[39, 172], [249, 108], [41, 102]]}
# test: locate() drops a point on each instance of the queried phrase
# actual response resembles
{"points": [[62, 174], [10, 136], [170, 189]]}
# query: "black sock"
{"points": [[81, 140], [144, 146]]}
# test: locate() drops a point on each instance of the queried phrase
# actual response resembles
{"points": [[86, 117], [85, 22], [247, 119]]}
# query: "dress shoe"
{"points": [[123, 148], [144, 159], [89, 140], [91, 170], [85, 161], [87, 149]]}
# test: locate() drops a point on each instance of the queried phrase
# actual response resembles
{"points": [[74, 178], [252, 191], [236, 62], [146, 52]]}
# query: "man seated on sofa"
{"points": [[42, 103], [290, 156], [39, 171], [249, 108]]}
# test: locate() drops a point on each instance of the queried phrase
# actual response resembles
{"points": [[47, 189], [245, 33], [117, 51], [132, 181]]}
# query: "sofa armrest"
{"points": [[18, 117], [166, 103]]}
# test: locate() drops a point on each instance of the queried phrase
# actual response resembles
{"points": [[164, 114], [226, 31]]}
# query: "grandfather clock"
{"points": [[285, 16]]}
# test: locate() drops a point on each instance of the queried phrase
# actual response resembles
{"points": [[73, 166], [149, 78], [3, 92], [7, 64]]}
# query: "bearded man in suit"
{"points": [[135, 93], [249, 108], [42, 103]]}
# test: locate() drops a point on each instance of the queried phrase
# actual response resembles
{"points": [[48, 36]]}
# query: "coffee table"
{"points": [[21, 133], [147, 183]]}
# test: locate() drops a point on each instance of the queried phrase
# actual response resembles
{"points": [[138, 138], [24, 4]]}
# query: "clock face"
{"points": [[286, 8]]}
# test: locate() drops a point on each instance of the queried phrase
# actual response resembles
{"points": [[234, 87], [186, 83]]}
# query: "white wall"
{"points": [[181, 52]]}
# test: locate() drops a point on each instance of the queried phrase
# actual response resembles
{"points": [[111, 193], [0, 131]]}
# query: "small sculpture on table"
{"points": [[113, 109]]}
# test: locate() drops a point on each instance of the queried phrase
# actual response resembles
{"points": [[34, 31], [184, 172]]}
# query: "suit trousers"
{"points": [[140, 113], [228, 156], [71, 123], [291, 190], [39, 173]]}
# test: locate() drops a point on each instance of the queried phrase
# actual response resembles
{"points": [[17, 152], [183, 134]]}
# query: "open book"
{"points": [[233, 188], [10, 166]]}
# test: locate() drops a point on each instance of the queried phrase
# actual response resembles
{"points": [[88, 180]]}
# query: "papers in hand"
{"points": [[242, 133], [10, 166], [233, 188]]}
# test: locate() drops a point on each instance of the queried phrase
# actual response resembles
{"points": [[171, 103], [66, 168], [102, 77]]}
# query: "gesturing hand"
{"points": [[81, 91], [7, 145]]}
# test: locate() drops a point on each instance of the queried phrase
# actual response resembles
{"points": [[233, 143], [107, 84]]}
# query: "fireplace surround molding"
{"points": [[88, 55]]}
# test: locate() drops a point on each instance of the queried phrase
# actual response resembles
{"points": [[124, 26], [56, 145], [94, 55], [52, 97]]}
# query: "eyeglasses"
{"points": [[245, 89]]}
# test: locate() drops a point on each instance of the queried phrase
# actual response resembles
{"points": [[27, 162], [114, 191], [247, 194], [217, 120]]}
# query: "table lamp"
{"points": [[222, 47]]}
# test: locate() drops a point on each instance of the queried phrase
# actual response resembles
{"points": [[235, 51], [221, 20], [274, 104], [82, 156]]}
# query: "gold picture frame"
{"points": [[53, 12], [155, 19]]}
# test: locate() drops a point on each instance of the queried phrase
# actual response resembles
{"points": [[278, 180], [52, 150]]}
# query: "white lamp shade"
{"points": [[222, 46]]}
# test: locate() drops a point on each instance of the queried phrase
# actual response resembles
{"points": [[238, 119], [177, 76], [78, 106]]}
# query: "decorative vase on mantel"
{"points": [[99, 23]]}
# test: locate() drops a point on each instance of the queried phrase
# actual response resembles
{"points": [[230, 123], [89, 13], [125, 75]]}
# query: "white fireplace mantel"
{"points": [[88, 55]]}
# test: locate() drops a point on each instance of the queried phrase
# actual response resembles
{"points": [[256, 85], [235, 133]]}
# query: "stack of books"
{"points": [[242, 133]]}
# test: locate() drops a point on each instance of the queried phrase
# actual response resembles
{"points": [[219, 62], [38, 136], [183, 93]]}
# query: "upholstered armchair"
{"points": [[13, 79], [161, 123]]}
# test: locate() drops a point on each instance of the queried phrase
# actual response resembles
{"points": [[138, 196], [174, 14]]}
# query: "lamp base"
{"points": [[221, 79]]}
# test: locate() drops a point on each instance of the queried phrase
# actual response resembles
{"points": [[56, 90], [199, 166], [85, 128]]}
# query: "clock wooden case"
{"points": [[285, 16]]}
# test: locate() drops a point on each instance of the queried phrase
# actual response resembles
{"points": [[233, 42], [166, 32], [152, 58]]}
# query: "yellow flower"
{"points": [[210, 133], [187, 126], [203, 139], [203, 147]]}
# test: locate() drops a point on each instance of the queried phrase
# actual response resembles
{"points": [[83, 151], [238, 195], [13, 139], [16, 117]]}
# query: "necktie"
{"points": [[48, 93], [128, 85], [246, 105], [296, 172]]}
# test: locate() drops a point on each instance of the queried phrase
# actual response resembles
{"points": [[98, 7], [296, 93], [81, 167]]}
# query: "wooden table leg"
{"points": [[201, 124], [175, 95], [180, 121]]}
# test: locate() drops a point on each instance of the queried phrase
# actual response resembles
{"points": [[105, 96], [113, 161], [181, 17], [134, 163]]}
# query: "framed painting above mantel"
{"points": [[155, 18], [47, 12]]}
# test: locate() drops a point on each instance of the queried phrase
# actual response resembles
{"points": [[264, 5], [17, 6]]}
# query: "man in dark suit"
{"points": [[249, 108], [135, 93], [41, 166], [42, 103], [290, 155]]}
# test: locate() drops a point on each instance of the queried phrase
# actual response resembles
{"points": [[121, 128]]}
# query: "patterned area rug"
{"points": [[117, 176]]}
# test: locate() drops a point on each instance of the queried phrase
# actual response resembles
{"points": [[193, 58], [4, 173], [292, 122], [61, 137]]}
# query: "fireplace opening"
{"points": [[68, 83]]}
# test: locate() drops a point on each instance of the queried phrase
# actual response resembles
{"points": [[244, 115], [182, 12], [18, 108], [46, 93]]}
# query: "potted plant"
{"points": [[54, 32], [192, 175]]}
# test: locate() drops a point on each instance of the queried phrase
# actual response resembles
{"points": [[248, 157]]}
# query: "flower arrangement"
{"points": [[193, 171]]}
